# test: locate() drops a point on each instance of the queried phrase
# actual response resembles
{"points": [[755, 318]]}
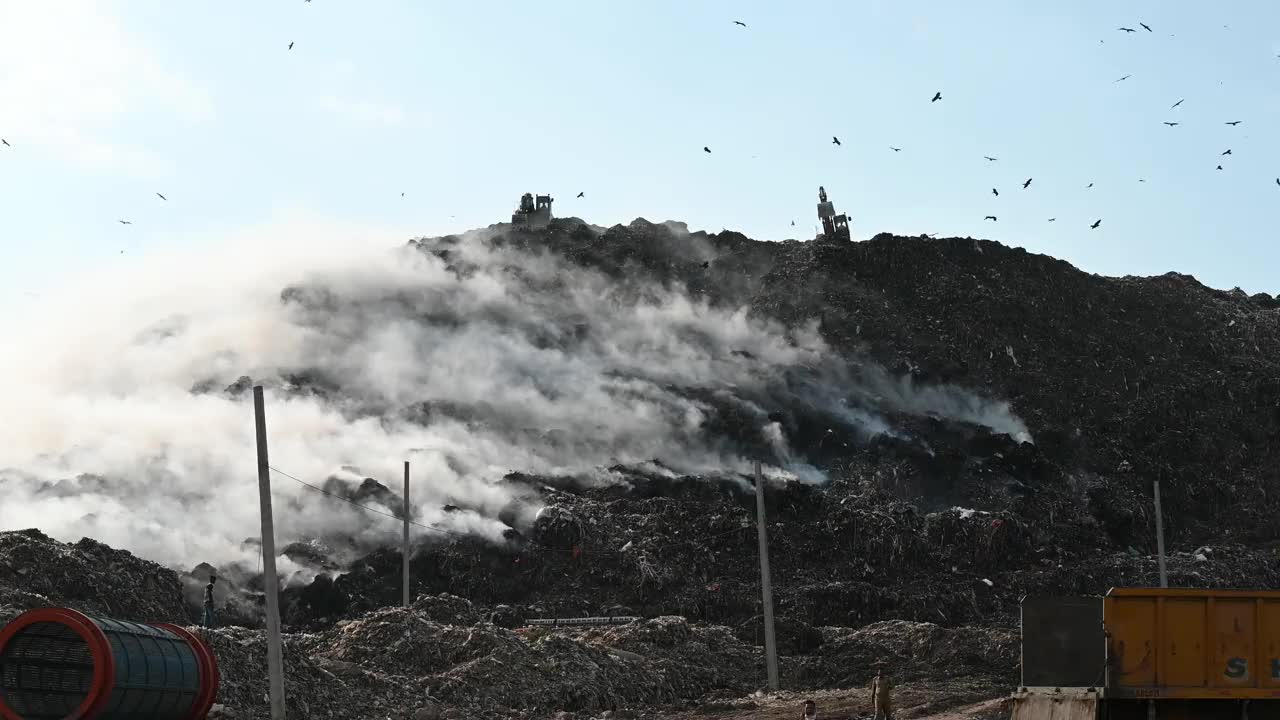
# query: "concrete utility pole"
{"points": [[1164, 576], [270, 583], [406, 533], [766, 587]]}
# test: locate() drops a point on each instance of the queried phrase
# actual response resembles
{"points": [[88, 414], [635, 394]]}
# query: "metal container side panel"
{"points": [[1131, 642], [1062, 641], [1269, 642], [1182, 643], [1233, 632]]}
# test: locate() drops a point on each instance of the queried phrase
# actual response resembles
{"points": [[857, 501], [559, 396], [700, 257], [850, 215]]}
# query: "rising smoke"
{"points": [[469, 360]]}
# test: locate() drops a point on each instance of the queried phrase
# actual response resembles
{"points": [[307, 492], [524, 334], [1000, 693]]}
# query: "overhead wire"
{"points": [[434, 528]]}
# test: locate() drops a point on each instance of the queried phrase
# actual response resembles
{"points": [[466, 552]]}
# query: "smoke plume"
{"points": [[125, 421]]}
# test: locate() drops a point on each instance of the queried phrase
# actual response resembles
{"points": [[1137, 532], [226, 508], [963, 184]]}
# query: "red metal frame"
{"points": [[208, 665], [104, 669]]}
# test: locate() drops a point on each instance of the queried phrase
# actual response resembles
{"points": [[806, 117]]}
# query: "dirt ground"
{"points": [[911, 703]]}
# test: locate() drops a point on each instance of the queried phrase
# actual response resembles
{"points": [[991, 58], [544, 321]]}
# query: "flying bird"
{"points": [[793, 223], [6, 142], [1052, 219], [706, 264], [162, 197], [936, 97], [1096, 224], [1126, 77], [290, 46], [735, 22], [1233, 123], [895, 149], [1127, 29], [1219, 167], [706, 149], [992, 218], [1171, 124], [989, 158], [582, 193], [1144, 25], [125, 222], [1086, 187], [835, 140], [1228, 152], [1026, 184], [995, 192], [1278, 181], [1177, 104]]}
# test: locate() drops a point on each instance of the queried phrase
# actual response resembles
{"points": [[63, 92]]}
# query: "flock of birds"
{"points": [[836, 140], [1094, 226]]}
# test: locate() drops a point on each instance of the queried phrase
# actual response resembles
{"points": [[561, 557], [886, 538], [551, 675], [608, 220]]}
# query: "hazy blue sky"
{"points": [[462, 106]]}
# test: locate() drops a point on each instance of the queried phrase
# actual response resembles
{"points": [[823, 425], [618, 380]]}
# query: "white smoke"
{"points": [[470, 365]]}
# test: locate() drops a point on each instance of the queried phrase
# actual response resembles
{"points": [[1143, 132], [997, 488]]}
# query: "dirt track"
{"points": [[913, 703]]}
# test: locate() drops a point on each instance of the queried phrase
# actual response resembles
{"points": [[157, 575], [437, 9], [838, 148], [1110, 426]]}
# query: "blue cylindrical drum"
{"points": [[60, 664]]}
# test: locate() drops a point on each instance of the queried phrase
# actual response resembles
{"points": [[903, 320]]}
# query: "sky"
{"points": [[462, 107]]}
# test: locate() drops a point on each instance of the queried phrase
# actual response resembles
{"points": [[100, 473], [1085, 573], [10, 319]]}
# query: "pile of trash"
{"points": [[314, 688], [911, 652], [38, 571]]}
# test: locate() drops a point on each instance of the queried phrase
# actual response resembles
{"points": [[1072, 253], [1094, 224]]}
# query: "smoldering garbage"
{"points": [[906, 518]]}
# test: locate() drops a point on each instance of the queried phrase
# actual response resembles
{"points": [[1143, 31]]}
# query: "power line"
{"points": [[365, 506], [434, 528]]}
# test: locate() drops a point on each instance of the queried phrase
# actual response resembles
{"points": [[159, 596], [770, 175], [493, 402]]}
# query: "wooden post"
{"points": [[270, 582], [1164, 576], [766, 587], [406, 533]]}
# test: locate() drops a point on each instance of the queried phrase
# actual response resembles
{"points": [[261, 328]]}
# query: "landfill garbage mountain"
{"points": [[945, 426]]}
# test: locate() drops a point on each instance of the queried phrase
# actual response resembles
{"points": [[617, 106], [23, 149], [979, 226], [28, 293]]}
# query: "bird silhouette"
{"points": [[895, 149], [793, 223], [1227, 151], [706, 264], [1146, 27], [162, 197], [989, 158], [6, 142], [1096, 224], [1233, 123], [735, 22], [936, 97], [582, 193], [401, 194], [706, 149], [1177, 104], [992, 218], [1127, 29], [1086, 187], [995, 192], [1171, 124], [125, 222], [290, 46], [1026, 184], [835, 140], [1278, 181], [1052, 219], [1219, 167], [1126, 77]]}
